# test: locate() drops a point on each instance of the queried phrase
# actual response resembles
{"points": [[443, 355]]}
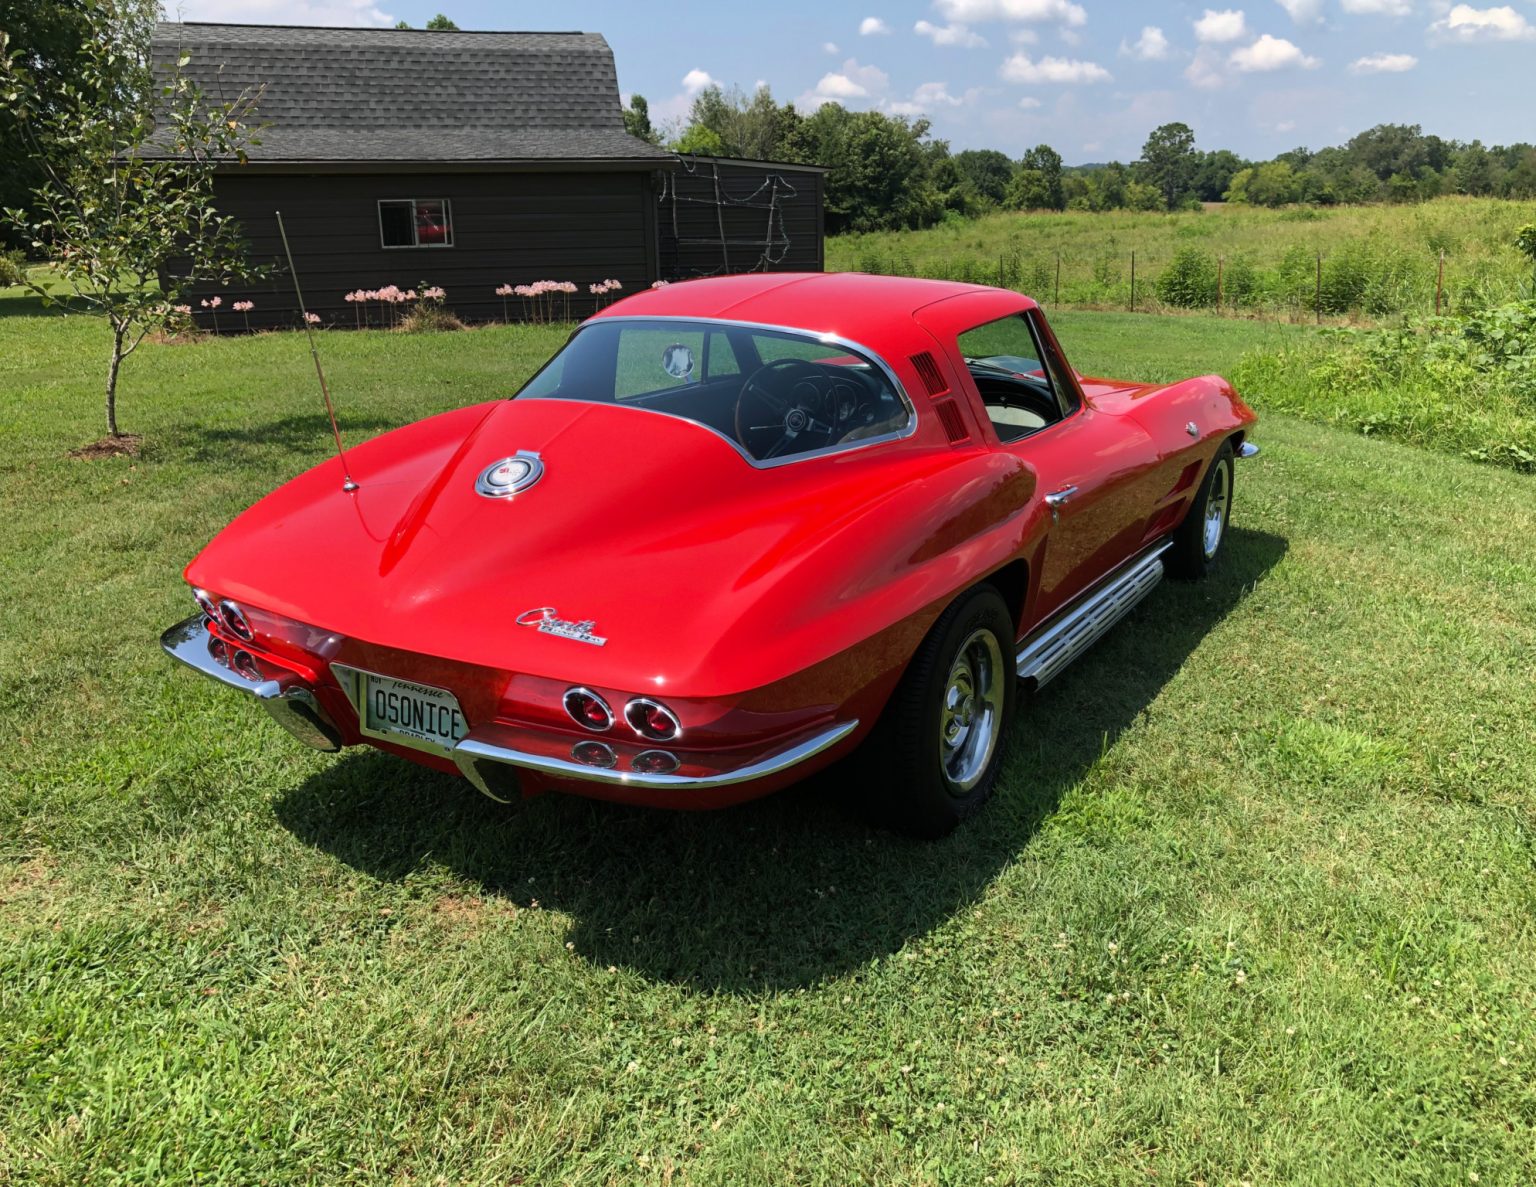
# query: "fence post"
{"points": [[1220, 262], [1317, 300], [1439, 283], [1058, 278], [1133, 282]]}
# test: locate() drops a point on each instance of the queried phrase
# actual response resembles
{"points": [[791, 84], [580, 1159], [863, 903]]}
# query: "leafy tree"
{"points": [[1140, 196], [701, 140], [637, 120], [1391, 149], [987, 171], [1030, 190], [755, 128], [1168, 161], [1476, 170], [47, 37], [1213, 174], [1273, 183], [128, 151], [1046, 162], [883, 178], [442, 24]]}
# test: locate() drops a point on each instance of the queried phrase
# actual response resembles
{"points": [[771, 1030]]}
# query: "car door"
{"points": [[1092, 468]]}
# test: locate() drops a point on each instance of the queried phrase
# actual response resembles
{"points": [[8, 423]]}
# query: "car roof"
{"points": [[871, 310]]}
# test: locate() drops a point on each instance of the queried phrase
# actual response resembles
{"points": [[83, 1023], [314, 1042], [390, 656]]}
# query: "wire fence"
{"points": [[1353, 283]]}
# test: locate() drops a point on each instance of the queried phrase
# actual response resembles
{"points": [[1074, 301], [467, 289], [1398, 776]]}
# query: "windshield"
{"points": [[774, 394]]}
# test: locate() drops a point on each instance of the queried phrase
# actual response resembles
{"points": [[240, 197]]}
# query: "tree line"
{"points": [[889, 173]]}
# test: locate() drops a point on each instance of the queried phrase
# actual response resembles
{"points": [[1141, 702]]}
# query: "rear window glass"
{"points": [[774, 394]]}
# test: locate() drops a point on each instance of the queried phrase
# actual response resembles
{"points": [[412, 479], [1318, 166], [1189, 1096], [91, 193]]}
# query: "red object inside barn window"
{"points": [[415, 222]]}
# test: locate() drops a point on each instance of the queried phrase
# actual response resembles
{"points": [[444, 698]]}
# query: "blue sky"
{"points": [[1090, 77]]}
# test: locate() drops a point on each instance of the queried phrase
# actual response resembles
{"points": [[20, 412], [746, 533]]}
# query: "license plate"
{"points": [[404, 710]]}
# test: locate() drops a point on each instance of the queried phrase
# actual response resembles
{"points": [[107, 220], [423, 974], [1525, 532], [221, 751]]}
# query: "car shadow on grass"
{"points": [[785, 891]]}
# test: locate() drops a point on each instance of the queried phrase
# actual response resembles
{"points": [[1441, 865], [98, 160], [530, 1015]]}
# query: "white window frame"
{"points": [[447, 206]]}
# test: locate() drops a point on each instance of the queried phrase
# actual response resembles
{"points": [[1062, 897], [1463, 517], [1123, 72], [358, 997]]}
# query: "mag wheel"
{"points": [[934, 756], [1198, 540]]}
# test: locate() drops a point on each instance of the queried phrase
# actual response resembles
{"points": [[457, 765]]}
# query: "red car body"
{"points": [[767, 609]]}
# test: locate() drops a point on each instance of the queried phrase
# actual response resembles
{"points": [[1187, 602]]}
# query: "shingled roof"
{"points": [[401, 95]]}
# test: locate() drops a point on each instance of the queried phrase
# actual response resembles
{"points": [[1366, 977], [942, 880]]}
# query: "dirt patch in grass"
{"points": [[119, 445], [27, 880]]}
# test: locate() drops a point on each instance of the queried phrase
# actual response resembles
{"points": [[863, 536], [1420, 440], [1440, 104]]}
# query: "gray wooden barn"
{"points": [[471, 161]]}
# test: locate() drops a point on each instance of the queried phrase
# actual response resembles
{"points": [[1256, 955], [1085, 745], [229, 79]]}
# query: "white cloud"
{"points": [[1383, 64], [1303, 12], [873, 26], [830, 47], [1286, 126], [285, 12], [927, 97], [1151, 46], [1465, 23], [970, 12], [1029, 103], [1025, 36], [949, 35], [696, 80], [1270, 53], [1067, 71], [1227, 25], [853, 81], [1205, 71], [1377, 7]]}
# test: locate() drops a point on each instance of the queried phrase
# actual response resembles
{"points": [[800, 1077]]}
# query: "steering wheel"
{"points": [[780, 403]]}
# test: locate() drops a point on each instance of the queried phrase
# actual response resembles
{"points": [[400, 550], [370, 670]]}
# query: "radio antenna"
{"points": [[314, 352]]}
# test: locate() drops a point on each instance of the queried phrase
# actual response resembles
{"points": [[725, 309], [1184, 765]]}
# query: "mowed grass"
{"points": [[1253, 904], [1398, 246]]}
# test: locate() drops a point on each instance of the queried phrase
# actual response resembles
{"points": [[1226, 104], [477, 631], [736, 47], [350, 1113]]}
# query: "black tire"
{"points": [[1193, 552], [905, 783]]}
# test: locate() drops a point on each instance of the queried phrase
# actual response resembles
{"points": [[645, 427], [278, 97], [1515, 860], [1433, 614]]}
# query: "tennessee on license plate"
{"points": [[409, 710]]}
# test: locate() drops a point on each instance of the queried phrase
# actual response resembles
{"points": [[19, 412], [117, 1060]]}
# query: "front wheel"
{"points": [[1199, 538], [933, 758]]}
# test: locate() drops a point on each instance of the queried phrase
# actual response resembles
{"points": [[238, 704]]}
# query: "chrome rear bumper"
{"points": [[489, 756], [287, 699], [482, 762]]}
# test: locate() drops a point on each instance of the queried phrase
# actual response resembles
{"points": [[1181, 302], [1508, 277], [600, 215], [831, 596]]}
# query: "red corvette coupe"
{"points": [[734, 530]]}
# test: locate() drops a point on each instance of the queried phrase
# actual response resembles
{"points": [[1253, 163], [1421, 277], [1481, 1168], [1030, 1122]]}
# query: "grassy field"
{"points": [[1377, 259], [1254, 903]]}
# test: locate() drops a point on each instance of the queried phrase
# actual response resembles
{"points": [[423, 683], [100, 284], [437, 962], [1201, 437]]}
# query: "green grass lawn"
{"points": [[1254, 902], [1393, 250]]}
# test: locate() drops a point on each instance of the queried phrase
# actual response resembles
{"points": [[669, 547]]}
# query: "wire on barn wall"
{"points": [[775, 244]]}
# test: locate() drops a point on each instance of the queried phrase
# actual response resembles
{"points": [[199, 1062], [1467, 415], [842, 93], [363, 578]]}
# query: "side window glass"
{"points": [[719, 358], [1061, 377], [1007, 363]]}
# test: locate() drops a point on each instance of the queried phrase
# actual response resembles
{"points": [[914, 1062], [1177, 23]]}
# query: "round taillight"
{"points": [[245, 663], [206, 604], [654, 762], [588, 710], [594, 754], [651, 719], [234, 618]]}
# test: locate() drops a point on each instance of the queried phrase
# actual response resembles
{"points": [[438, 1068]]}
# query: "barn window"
{"points": [[415, 222]]}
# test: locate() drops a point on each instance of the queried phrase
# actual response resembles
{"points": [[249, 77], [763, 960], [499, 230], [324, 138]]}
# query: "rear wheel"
{"points": [[932, 760], [1198, 541]]}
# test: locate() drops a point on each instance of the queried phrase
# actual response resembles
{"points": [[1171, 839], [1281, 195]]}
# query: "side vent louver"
{"points": [[953, 422], [928, 371]]}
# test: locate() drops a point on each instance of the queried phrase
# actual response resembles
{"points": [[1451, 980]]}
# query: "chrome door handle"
{"points": [[1057, 498]]}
